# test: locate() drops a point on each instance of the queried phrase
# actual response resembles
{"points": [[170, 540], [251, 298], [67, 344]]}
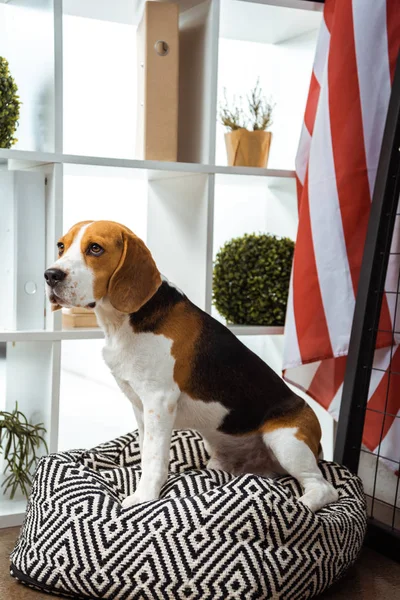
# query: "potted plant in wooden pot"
{"points": [[247, 139], [9, 106]]}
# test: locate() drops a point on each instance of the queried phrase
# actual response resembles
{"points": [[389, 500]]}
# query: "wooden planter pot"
{"points": [[248, 148]]}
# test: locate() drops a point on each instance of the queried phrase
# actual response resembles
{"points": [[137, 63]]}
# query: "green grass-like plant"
{"points": [[19, 442], [9, 106], [251, 279]]}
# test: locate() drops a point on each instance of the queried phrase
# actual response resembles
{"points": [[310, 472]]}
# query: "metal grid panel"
{"points": [[384, 521]]}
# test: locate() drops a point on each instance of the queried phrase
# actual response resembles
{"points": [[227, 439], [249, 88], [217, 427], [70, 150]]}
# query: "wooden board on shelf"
{"points": [[158, 69], [78, 317]]}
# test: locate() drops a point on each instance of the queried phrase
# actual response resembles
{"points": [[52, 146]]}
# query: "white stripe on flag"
{"points": [[381, 362], [303, 375], [292, 354], [303, 153], [390, 445], [321, 53], [334, 407], [369, 18], [327, 231]]}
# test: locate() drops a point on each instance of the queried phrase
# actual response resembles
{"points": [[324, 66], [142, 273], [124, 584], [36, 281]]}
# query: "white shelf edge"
{"points": [[299, 4], [12, 512], [254, 171], [97, 334], [11, 520], [51, 336], [255, 330], [27, 158]]}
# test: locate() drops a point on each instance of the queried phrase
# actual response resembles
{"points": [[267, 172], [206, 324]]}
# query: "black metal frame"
{"points": [[367, 312]]}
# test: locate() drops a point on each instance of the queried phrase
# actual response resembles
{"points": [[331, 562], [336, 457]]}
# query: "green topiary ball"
{"points": [[251, 279], [9, 106]]}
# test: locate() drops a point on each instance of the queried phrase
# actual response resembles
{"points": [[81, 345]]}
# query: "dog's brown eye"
{"points": [[95, 250], [60, 247]]}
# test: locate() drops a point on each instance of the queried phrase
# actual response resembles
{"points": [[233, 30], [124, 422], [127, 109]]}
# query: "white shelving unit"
{"points": [[186, 201]]}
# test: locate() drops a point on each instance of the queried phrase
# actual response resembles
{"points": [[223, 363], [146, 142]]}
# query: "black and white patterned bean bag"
{"points": [[210, 536]]}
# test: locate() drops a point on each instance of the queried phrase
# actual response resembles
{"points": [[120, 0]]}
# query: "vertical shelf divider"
{"points": [[58, 77], [210, 242], [54, 217]]}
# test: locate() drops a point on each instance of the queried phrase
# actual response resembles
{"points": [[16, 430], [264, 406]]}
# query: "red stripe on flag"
{"points": [[299, 189], [327, 380], [312, 103], [311, 326], [348, 138], [393, 33], [386, 398], [348, 143], [329, 12]]}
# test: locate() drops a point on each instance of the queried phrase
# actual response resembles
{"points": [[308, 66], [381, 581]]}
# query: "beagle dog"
{"points": [[180, 368]]}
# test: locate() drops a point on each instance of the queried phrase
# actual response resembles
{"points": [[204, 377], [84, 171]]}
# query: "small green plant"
{"points": [[9, 106], [259, 115], [19, 442], [251, 279]]}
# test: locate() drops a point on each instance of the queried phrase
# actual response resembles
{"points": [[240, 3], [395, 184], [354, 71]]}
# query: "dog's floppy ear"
{"points": [[136, 277]]}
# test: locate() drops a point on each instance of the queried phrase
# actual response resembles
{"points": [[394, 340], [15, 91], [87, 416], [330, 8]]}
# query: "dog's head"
{"points": [[99, 259]]}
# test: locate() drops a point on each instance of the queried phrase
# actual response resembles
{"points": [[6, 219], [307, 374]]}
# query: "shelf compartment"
{"points": [[103, 118], [258, 205], [27, 32], [275, 45], [88, 389], [22, 245], [29, 376]]}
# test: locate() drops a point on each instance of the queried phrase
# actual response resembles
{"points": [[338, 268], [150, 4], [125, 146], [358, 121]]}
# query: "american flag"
{"points": [[336, 167]]}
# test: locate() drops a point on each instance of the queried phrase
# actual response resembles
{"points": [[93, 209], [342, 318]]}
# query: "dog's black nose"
{"points": [[54, 276]]}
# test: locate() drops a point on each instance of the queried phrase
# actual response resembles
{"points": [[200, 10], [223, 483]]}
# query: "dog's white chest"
{"points": [[142, 359]]}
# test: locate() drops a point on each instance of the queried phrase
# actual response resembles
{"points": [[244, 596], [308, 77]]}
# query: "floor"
{"points": [[374, 577]]}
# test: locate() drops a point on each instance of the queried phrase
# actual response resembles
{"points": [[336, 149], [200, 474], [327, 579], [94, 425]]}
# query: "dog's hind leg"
{"points": [[296, 458], [294, 441]]}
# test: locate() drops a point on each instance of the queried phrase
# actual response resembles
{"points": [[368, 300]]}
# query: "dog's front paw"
{"points": [[138, 498]]}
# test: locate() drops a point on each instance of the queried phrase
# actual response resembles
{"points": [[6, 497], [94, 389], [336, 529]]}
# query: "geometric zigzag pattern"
{"points": [[210, 536]]}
